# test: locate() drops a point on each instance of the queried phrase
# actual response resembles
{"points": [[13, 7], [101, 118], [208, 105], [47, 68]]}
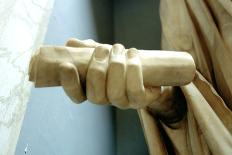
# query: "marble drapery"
{"points": [[22, 27], [204, 29]]}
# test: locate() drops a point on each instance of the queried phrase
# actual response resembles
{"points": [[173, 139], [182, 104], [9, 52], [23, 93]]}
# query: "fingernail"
{"points": [[101, 53], [132, 52]]}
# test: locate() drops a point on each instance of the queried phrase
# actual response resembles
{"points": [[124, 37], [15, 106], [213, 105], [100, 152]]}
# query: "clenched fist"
{"points": [[114, 76]]}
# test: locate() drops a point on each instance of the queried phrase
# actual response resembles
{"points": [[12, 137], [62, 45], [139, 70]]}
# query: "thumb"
{"points": [[70, 81], [73, 42]]}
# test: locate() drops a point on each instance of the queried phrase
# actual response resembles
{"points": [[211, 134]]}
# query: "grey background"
{"points": [[53, 125], [136, 24]]}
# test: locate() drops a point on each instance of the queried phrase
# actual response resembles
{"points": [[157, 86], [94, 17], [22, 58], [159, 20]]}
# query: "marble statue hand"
{"points": [[106, 74], [114, 76]]}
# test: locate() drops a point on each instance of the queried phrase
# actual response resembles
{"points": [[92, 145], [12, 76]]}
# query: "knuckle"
{"points": [[71, 42], [101, 48], [101, 54], [132, 49], [118, 45], [118, 49], [132, 52]]}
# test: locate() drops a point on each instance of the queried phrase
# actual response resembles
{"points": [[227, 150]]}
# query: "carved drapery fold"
{"points": [[203, 28]]}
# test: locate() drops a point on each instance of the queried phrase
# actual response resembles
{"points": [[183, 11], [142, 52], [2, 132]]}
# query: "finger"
{"points": [[96, 76], [138, 95], [152, 94], [170, 107], [73, 42], [165, 100], [116, 77], [70, 81], [134, 81]]}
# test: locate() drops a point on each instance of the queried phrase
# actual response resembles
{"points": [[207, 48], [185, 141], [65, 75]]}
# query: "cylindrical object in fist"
{"points": [[160, 68]]}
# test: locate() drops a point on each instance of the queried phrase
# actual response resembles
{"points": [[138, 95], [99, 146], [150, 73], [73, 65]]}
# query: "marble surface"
{"points": [[22, 27]]}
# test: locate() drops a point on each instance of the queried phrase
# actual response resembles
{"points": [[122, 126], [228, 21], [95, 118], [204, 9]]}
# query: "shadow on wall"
{"points": [[103, 20], [136, 24]]}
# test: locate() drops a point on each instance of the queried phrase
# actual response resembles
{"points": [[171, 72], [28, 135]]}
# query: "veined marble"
{"points": [[22, 27]]}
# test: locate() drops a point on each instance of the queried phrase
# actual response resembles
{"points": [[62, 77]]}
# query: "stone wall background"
{"points": [[22, 27]]}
